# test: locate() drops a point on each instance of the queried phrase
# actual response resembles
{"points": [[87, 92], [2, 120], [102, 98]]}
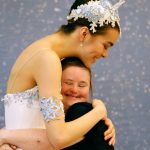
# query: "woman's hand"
{"points": [[6, 147], [110, 132], [100, 106]]}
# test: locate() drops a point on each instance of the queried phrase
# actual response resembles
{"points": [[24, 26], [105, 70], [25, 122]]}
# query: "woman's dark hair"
{"points": [[74, 61], [72, 25]]}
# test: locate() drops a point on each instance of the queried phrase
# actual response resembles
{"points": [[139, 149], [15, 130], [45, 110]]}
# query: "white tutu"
{"points": [[22, 110]]}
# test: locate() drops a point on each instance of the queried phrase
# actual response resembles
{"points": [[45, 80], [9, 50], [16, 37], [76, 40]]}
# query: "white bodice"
{"points": [[22, 110]]}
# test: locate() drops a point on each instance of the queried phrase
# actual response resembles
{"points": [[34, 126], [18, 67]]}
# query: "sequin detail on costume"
{"points": [[28, 97], [51, 108]]}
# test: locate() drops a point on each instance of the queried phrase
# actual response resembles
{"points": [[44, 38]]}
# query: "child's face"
{"points": [[75, 85]]}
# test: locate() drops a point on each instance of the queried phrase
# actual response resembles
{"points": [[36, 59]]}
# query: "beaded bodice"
{"points": [[27, 97], [22, 110]]}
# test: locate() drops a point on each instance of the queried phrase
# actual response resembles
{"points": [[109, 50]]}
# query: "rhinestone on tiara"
{"points": [[98, 13]]}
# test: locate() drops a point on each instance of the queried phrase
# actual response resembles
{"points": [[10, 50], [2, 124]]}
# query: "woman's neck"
{"points": [[63, 45]]}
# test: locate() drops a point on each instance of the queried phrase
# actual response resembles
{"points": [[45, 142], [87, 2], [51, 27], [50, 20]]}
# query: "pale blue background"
{"points": [[122, 80]]}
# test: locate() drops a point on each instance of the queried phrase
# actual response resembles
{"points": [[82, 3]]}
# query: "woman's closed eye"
{"points": [[107, 45]]}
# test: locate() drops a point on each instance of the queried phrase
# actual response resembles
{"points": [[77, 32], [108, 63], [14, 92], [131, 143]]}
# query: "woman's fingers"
{"points": [[110, 126], [5, 147], [112, 141], [13, 147], [110, 135], [110, 132]]}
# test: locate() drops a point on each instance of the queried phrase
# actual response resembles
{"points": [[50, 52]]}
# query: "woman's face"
{"points": [[75, 85], [96, 47]]}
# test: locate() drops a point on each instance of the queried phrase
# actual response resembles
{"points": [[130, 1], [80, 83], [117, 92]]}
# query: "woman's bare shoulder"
{"points": [[46, 57], [47, 73]]}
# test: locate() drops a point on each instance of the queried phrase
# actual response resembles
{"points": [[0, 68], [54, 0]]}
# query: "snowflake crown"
{"points": [[98, 13]]}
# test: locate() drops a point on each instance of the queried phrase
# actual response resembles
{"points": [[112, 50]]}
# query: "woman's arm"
{"points": [[37, 138], [26, 139], [95, 137], [48, 79], [69, 132]]}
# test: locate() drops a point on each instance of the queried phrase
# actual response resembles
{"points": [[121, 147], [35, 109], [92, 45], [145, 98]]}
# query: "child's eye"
{"points": [[68, 82], [82, 85]]}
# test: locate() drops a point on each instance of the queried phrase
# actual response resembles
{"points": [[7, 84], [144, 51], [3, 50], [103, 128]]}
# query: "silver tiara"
{"points": [[98, 13]]}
